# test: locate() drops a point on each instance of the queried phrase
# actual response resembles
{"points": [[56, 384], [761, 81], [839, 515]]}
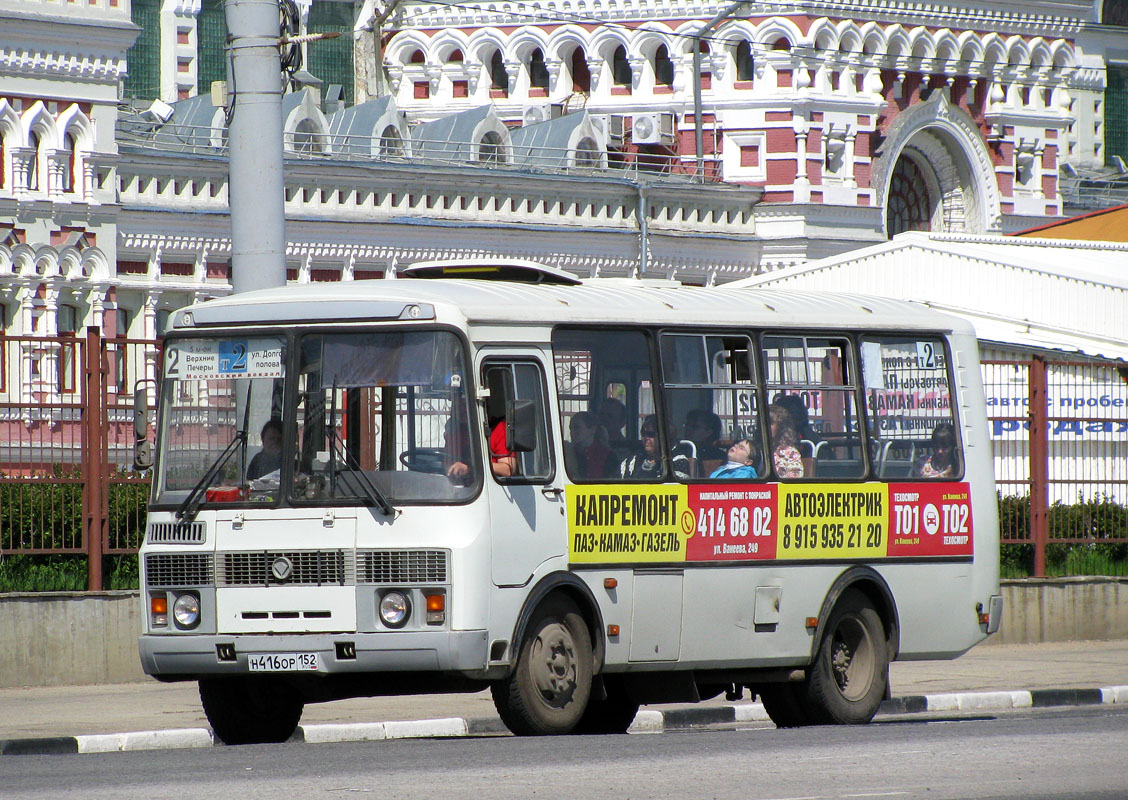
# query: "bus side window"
{"points": [[509, 381], [604, 382], [913, 430], [813, 425]]}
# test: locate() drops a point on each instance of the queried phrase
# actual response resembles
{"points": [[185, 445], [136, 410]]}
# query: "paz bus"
{"points": [[329, 518]]}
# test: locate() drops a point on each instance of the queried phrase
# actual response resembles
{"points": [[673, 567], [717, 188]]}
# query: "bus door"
{"points": [[527, 506]]}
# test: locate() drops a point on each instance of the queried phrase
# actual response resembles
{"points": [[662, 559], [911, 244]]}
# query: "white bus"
{"points": [[584, 495]]}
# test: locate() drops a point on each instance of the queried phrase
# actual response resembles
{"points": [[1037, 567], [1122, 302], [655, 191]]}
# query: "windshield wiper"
{"points": [[191, 505], [373, 495]]}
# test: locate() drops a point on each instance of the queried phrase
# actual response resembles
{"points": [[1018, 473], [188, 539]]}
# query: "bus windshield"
{"points": [[221, 407], [383, 412]]}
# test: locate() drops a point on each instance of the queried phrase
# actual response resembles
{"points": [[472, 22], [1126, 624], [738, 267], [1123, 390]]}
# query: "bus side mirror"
{"points": [[521, 426], [142, 447]]}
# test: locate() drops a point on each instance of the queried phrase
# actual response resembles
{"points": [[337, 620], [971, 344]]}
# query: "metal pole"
{"points": [[698, 135], [643, 233], [93, 458], [1039, 463], [256, 181]]}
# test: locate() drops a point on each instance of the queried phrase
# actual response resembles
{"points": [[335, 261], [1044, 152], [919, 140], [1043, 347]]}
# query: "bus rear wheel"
{"points": [[786, 704], [250, 709], [548, 690], [846, 683]]}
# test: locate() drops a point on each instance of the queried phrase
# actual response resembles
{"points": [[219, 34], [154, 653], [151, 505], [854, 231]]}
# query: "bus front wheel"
{"points": [[548, 690], [846, 683], [250, 709]]}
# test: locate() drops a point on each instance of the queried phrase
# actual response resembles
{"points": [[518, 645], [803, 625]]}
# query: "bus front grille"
{"points": [[402, 566], [175, 533], [286, 568], [178, 569]]}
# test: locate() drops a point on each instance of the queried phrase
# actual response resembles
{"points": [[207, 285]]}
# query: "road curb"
{"points": [[647, 721]]}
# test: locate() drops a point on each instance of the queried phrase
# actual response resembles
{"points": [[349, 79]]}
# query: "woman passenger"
{"points": [[785, 455]]}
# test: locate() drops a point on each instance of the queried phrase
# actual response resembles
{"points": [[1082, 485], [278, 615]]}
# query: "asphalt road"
{"points": [[1072, 753]]}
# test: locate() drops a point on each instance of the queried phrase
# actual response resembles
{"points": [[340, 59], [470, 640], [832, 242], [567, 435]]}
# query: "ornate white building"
{"points": [[823, 127]]}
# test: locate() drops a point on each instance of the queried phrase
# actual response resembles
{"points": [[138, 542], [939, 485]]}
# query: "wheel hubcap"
{"points": [[553, 664], [852, 659]]}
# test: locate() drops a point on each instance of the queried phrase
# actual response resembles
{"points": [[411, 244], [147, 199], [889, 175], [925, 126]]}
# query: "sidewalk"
{"points": [[67, 711]]}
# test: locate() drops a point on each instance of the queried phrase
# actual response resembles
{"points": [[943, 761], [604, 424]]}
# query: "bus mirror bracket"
{"points": [[142, 447], [521, 426]]}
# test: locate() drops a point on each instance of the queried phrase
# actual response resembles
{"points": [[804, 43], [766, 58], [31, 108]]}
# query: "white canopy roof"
{"points": [[1032, 293]]}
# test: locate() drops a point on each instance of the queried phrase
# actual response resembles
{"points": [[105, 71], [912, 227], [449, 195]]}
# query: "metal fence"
{"points": [[1059, 432], [66, 445]]}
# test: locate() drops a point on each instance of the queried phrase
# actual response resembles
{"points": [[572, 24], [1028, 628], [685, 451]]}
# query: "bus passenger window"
{"points": [[710, 391], [909, 408], [814, 431], [604, 387], [513, 381]]}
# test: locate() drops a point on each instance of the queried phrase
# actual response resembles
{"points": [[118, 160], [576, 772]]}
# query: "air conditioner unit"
{"points": [[653, 128], [612, 126], [531, 115]]}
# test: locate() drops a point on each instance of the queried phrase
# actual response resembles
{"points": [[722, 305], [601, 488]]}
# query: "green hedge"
{"points": [[1099, 518]]}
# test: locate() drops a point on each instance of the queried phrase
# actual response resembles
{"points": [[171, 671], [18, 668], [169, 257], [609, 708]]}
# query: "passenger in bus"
{"points": [[589, 455], [742, 457], [785, 455], [613, 415], [800, 416], [944, 461], [703, 428], [647, 465], [269, 459], [503, 462]]}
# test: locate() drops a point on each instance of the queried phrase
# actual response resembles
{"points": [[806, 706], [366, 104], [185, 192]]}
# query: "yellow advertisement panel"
{"points": [[832, 521], [624, 523]]}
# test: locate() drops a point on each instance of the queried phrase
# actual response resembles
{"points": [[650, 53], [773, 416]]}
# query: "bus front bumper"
{"points": [[190, 656]]}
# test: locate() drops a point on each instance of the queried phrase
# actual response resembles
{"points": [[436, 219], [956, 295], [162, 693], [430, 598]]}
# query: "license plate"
{"points": [[283, 662]]}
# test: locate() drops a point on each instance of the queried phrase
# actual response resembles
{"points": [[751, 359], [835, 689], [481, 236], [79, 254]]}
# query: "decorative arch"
{"points": [[897, 43], [447, 43], [823, 35], [523, 42], [772, 30], [306, 129], [403, 46], [948, 142], [39, 121], [1018, 52], [849, 37]]}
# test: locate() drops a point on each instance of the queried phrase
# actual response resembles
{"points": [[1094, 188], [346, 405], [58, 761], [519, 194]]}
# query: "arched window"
{"points": [[745, 65], [499, 79], [587, 154], [581, 75], [910, 206], [538, 72], [620, 67], [391, 144], [782, 44], [663, 66], [455, 56], [70, 180], [307, 138], [490, 150], [33, 162], [417, 57]]}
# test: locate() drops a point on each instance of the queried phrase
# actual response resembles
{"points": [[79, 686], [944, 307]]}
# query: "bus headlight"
{"points": [[395, 608], [186, 611]]}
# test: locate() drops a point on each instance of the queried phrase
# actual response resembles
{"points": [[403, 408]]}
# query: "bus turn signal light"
{"points": [[812, 622], [612, 630], [436, 608], [610, 583], [158, 605]]}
